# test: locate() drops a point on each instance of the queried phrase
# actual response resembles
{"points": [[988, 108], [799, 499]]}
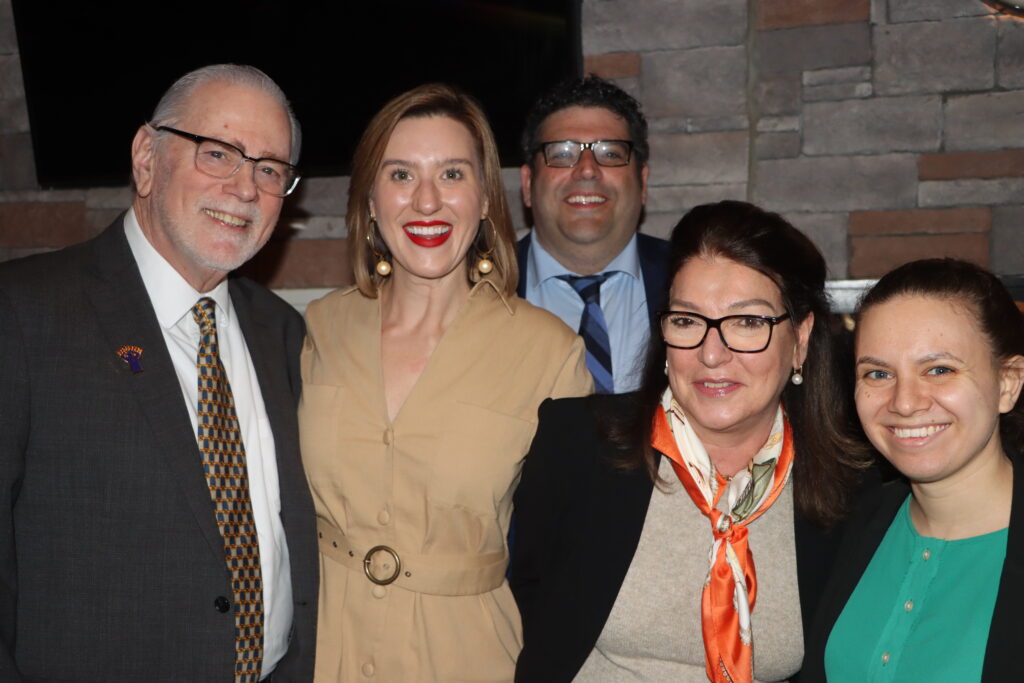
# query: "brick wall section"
{"points": [[882, 240], [1002, 164], [872, 257], [775, 14], [301, 263], [885, 129]]}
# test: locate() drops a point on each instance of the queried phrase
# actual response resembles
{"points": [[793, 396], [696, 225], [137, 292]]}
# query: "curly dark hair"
{"points": [[981, 293], [829, 452], [589, 91]]}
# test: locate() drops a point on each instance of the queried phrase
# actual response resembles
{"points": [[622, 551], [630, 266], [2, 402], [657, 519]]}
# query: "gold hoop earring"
{"points": [[383, 266], [484, 263]]}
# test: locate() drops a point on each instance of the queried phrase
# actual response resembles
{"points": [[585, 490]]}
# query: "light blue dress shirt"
{"points": [[623, 302]]}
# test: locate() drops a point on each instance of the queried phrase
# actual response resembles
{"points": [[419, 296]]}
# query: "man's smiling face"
{"points": [[206, 226], [588, 203]]}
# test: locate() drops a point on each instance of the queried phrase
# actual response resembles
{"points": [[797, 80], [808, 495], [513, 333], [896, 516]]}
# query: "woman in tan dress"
{"points": [[420, 395]]}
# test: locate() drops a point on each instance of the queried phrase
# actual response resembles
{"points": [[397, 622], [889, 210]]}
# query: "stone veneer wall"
{"points": [[886, 129]]}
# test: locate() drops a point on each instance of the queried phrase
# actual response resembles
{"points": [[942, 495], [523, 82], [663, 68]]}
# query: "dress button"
{"points": [[379, 591], [926, 555], [885, 658], [384, 516], [387, 437], [908, 605], [368, 669], [222, 604]]}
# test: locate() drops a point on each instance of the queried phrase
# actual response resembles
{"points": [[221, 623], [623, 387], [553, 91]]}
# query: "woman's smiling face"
{"points": [[428, 198], [723, 391], [929, 389]]}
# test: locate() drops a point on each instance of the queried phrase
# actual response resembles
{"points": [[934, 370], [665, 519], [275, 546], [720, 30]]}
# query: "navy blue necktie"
{"points": [[594, 330]]}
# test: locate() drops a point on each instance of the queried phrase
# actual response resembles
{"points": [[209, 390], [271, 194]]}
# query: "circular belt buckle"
{"points": [[369, 572]]}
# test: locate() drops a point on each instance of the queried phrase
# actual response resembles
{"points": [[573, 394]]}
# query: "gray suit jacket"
{"points": [[110, 559]]}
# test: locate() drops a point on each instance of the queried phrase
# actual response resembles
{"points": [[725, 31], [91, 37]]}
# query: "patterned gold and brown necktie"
{"points": [[220, 442]]}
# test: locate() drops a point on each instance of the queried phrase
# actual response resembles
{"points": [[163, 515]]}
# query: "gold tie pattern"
{"points": [[220, 442]]}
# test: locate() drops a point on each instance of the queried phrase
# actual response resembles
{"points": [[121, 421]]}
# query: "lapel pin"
{"points": [[131, 355]]}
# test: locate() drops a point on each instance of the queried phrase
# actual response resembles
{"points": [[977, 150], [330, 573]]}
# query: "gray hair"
{"points": [[171, 106]]}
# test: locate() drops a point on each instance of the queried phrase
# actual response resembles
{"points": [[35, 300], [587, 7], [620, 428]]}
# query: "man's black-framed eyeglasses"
{"points": [[740, 333], [222, 160], [567, 153]]}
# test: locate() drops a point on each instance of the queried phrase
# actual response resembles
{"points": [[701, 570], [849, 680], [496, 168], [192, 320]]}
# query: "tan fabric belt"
{"points": [[430, 574]]}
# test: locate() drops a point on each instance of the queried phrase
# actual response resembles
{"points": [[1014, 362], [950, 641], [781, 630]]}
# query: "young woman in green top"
{"points": [[928, 584]]}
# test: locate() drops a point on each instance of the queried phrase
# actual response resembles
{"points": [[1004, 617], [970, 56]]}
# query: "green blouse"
{"points": [[921, 611]]}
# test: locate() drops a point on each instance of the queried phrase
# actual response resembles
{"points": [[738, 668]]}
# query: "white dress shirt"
{"points": [[173, 298]]}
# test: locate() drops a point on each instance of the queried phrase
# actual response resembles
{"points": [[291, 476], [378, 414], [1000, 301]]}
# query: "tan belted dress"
{"points": [[434, 486]]}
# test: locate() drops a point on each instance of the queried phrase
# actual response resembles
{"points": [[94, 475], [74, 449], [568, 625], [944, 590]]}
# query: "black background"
{"points": [[94, 71]]}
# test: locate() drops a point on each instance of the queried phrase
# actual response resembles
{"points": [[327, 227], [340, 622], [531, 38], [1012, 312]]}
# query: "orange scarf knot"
{"points": [[730, 591]]}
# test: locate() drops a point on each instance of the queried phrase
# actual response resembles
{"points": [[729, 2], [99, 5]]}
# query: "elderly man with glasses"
{"points": [[155, 523], [585, 181]]}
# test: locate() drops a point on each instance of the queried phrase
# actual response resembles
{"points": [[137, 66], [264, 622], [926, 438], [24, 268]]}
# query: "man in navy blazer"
{"points": [[112, 564], [585, 181]]}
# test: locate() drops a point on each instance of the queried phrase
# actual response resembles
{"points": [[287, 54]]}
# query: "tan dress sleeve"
{"points": [[574, 379]]}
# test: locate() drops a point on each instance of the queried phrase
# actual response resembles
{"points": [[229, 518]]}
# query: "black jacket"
{"points": [[579, 523], [863, 535]]}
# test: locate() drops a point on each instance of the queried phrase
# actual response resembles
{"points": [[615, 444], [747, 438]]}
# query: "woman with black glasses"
{"points": [[682, 531]]}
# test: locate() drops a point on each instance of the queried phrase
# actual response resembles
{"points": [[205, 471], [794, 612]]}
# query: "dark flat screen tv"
{"points": [[93, 71]]}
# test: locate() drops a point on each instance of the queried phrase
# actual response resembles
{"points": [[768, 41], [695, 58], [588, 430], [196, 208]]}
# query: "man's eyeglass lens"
{"points": [[222, 161], [567, 153]]}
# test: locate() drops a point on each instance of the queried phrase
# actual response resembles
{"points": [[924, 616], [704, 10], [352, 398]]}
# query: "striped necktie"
{"points": [[220, 442], [594, 330]]}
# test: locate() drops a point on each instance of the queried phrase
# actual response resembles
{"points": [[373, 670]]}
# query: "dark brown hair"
{"points": [[432, 99], [589, 91], [828, 455], [983, 296]]}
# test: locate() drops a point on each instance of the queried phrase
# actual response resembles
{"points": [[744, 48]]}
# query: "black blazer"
{"points": [[863, 535], [653, 253], [579, 523], [110, 558]]}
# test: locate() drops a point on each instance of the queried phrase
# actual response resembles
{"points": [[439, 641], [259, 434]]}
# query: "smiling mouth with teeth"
{"points": [[716, 385], [427, 230], [226, 218], [917, 432], [586, 200]]}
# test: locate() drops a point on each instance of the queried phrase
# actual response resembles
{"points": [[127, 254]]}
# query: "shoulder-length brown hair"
{"points": [[829, 454], [432, 99]]}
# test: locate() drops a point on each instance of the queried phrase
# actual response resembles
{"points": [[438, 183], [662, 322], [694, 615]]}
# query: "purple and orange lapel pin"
{"points": [[132, 355]]}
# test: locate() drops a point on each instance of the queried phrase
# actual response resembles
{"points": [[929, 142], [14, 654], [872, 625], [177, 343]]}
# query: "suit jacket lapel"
{"points": [[126, 316], [1002, 656], [862, 537], [522, 256], [654, 267], [618, 512], [269, 358]]}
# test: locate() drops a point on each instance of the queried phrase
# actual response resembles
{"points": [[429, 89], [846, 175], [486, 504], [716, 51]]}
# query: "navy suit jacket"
{"points": [[110, 558], [653, 253]]}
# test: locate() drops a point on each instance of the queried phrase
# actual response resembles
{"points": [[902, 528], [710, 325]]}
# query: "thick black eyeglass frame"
{"points": [[584, 146], [716, 324], [199, 139]]}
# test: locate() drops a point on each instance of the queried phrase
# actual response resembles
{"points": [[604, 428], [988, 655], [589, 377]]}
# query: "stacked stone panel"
{"points": [[886, 129]]}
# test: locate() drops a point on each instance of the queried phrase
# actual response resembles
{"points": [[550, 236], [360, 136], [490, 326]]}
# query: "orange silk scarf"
{"points": [[727, 648]]}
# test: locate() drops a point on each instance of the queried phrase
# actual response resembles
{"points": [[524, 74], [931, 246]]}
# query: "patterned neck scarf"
{"points": [[730, 587]]}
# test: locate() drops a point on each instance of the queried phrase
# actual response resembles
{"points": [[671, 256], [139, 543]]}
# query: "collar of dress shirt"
{"points": [[542, 266], [172, 297]]}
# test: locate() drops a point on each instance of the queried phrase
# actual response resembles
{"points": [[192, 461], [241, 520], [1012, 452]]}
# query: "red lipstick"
{"points": [[428, 233]]}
